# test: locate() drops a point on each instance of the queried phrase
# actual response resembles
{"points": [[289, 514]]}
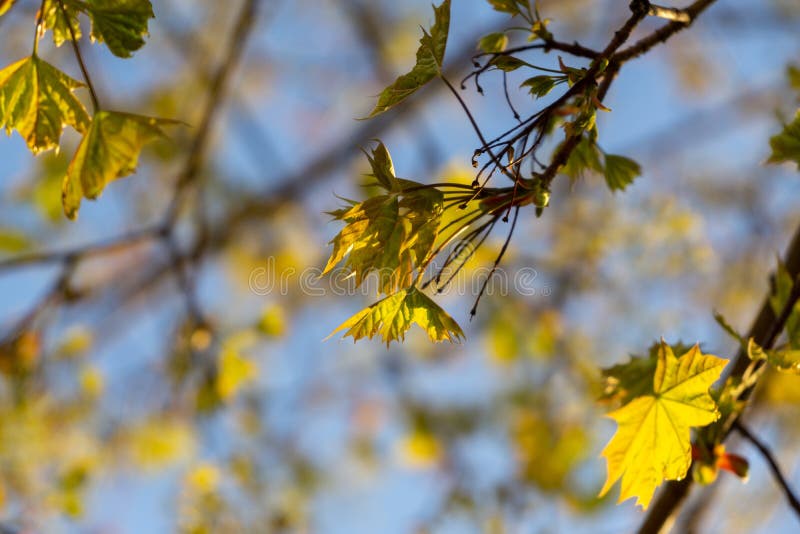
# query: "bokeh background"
{"points": [[118, 414]]}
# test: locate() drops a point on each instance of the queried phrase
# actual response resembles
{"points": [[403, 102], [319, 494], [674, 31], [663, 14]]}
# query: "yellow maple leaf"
{"points": [[652, 442]]}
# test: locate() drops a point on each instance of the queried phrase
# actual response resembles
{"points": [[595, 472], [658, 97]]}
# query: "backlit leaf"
{"points": [[109, 150], [36, 99], [620, 172], [786, 145], [652, 442], [120, 24], [540, 86], [509, 63], [506, 6], [394, 315], [494, 42], [430, 56], [391, 234], [54, 18], [585, 157]]}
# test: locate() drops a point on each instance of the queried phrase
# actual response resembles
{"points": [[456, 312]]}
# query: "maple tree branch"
{"points": [[664, 33], [773, 464], [639, 12]]}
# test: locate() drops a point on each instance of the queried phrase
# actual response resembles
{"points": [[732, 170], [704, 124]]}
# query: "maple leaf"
{"points": [[120, 24], [391, 234], [393, 316], [109, 150], [786, 145], [63, 21], [36, 99], [652, 442], [430, 56]]}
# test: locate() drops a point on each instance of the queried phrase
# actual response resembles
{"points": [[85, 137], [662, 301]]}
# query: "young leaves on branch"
{"points": [[391, 234], [652, 442], [36, 100], [430, 57], [619, 171], [109, 150]]}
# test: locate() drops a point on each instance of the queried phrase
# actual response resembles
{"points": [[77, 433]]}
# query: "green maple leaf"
{"points": [[36, 99], [109, 150], [620, 172], [394, 315], [786, 145], [59, 20], [652, 442], [120, 24], [391, 234], [430, 56]]}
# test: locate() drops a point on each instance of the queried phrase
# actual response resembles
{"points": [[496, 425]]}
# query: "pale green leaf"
{"points": [[54, 18], [540, 86], [786, 145], [109, 150], [585, 157], [509, 63], [120, 24], [506, 6], [620, 172], [430, 56], [36, 99], [383, 167], [493, 42], [394, 315]]}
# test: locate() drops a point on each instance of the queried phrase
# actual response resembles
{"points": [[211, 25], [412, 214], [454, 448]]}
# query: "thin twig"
{"points": [[773, 465], [79, 57], [670, 13], [662, 34]]}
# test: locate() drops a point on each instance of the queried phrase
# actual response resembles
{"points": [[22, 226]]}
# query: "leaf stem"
{"points": [[39, 18], [74, 42]]}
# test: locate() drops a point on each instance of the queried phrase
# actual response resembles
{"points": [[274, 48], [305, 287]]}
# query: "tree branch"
{"points": [[664, 33]]}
